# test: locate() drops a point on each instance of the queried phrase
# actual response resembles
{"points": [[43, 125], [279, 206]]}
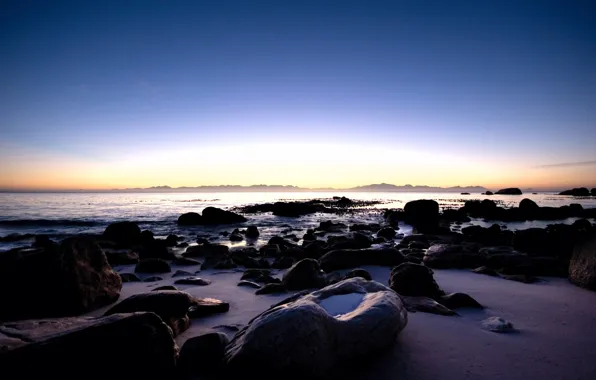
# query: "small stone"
{"points": [[192, 280], [497, 324], [249, 284], [204, 307]]}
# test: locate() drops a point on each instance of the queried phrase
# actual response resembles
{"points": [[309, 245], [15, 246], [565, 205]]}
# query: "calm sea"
{"points": [[62, 214]]}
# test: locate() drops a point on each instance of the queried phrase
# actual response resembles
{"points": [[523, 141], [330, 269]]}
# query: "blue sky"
{"points": [[499, 89]]}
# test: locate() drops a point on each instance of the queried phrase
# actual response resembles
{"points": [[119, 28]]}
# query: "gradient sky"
{"points": [[113, 94]]}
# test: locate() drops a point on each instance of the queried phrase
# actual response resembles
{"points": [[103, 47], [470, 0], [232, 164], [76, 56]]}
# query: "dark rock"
{"points": [[329, 226], [459, 300], [179, 273], [205, 250], [582, 268], [171, 306], [249, 284], [252, 232], [192, 280], [418, 245], [172, 240], [151, 248], [414, 237], [282, 262], [305, 274], [356, 240], [125, 233], [153, 279], [153, 266], [393, 217], [204, 307], [58, 280], [182, 245], [211, 216], [202, 355], [576, 192], [184, 261], [423, 215], [415, 280], [510, 191], [16, 237], [251, 274], [295, 209], [165, 287], [387, 232], [426, 305], [354, 258], [526, 279], [488, 193], [492, 235], [121, 258], [365, 227], [528, 205], [129, 277], [358, 272], [593, 192], [49, 348], [450, 256], [272, 289], [503, 257], [270, 250], [236, 237], [485, 270]]}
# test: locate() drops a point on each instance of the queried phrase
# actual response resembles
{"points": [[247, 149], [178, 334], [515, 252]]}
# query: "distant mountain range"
{"points": [[381, 187]]}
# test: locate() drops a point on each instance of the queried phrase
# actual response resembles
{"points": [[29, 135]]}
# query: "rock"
{"points": [[485, 270], [423, 215], [236, 236], [358, 272], [488, 193], [16, 237], [165, 287], [180, 273], [526, 279], [252, 232], [204, 307], [153, 279], [192, 280], [129, 277], [50, 348], [593, 192], [387, 232], [295, 209], [577, 192], [125, 233], [184, 261], [458, 300], [305, 274], [271, 289], [414, 237], [205, 250], [333, 278], [582, 268], [426, 305], [309, 339], [172, 240], [510, 191], [251, 274], [414, 280], [121, 258], [172, 307], [153, 266], [528, 205], [249, 284], [203, 354], [214, 215], [503, 257], [190, 219], [357, 240], [59, 280], [365, 227], [283, 262], [497, 324], [354, 258], [445, 256]]}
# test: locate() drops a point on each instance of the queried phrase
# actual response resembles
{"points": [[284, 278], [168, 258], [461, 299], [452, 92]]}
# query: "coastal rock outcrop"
{"points": [[510, 191], [305, 274], [64, 279], [316, 334], [354, 258], [582, 268], [577, 192], [211, 216], [60, 348]]}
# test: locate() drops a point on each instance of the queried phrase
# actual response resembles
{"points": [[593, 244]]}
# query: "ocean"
{"points": [[64, 214]]}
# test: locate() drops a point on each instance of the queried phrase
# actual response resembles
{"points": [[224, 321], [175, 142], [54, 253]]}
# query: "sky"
{"points": [[117, 94]]}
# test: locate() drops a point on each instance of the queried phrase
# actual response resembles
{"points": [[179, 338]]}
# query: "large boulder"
{"points": [[582, 268], [125, 233], [354, 258], [210, 216], [510, 191], [305, 274], [315, 335], [593, 192], [190, 219], [528, 205], [172, 306], [415, 280], [576, 192], [59, 280], [202, 355], [121, 346], [423, 214]]}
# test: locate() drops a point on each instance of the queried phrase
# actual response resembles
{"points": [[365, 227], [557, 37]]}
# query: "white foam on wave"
{"points": [[341, 304]]}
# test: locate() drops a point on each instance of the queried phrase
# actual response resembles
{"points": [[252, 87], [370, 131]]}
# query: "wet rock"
{"points": [[153, 279], [486, 270], [357, 240], [252, 232], [365, 227], [121, 258], [180, 273], [492, 236], [65, 279], [236, 236], [358, 272], [414, 237], [204, 250], [582, 268], [503, 257], [283, 262], [309, 342], [333, 278], [329, 226], [444, 256], [204, 307], [354, 258], [125, 233], [418, 245], [528, 205], [165, 287], [153, 266], [423, 214], [251, 274], [129, 277], [271, 289], [203, 355], [510, 191], [182, 245], [459, 300], [426, 305], [387, 233], [184, 261], [49, 348], [192, 280], [249, 284], [305, 274], [414, 280], [211, 216], [172, 240], [497, 324], [171, 306], [593, 192], [295, 209], [526, 279]]}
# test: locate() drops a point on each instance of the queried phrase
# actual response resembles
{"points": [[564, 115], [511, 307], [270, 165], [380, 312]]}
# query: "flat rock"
{"points": [[192, 280], [427, 305], [271, 289], [249, 284], [204, 307], [459, 300], [497, 324]]}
